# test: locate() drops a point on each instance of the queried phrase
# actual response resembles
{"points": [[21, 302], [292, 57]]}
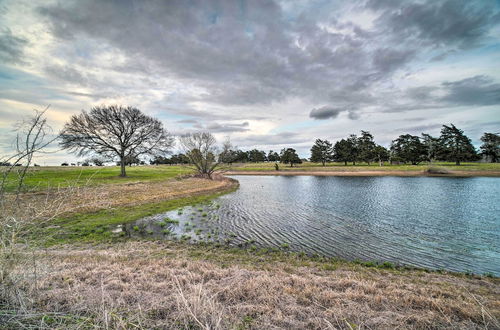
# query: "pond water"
{"points": [[431, 222]]}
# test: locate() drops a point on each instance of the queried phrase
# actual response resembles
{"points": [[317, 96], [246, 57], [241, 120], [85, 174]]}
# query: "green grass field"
{"points": [[334, 166], [40, 178]]}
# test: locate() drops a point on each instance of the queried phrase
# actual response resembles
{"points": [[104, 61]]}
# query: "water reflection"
{"points": [[450, 223]]}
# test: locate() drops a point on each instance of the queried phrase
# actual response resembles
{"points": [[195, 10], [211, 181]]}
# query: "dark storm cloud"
{"points": [[254, 54], [453, 22], [477, 90], [325, 112], [11, 47]]}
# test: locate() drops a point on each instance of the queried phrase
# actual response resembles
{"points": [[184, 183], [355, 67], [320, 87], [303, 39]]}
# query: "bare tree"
{"points": [[115, 131], [33, 136], [201, 149]]}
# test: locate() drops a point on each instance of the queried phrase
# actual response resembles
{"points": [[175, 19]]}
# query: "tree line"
{"points": [[127, 135], [452, 145]]}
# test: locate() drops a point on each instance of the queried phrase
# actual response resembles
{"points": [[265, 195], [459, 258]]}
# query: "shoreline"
{"points": [[367, 173]]}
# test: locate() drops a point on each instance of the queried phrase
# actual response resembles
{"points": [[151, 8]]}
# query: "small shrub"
{"points": [[136, 228], [436, 170]]}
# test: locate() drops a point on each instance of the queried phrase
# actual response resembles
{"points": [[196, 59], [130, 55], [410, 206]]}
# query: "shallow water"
{"points": [[432, 222]]}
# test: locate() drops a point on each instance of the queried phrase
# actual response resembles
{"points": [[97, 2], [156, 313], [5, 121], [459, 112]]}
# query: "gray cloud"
{"points": [[226, 128], [328, 112], [11, 47], [477, 90], [325, 112], [187, 121], [69, 74], [438, 23], [256, 55]]}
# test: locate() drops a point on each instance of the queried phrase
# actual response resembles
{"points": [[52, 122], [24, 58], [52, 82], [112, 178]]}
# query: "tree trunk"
{"points": [[457, 162], [122, 167], [291, 164], [345, 163], [323, 163]]}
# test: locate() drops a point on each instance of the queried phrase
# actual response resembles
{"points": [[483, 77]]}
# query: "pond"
{"points": [[432, 222]]}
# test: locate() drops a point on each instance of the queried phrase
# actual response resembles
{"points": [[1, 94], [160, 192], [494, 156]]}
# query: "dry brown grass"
{"points": [[173, 285], [92, 198]]}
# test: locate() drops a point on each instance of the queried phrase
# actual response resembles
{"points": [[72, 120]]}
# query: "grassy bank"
{"points": [[40, 178], [373, 169]]}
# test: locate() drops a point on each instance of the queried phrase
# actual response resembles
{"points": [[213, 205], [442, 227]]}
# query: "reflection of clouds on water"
{"points": [[450, 223]]}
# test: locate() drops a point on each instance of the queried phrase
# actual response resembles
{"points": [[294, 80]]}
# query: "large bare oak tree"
{"points": [[115, 131]]}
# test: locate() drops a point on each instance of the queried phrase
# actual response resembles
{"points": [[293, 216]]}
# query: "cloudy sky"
{"points": [[269, 74]]}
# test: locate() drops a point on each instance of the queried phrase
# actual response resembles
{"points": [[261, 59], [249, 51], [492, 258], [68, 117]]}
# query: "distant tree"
{"points": [[273, 156], [289, 156], [5, 164], [409, 149], [241, 156], [115, 131], [433, 146], [64, 164], [85, 163], [256, 156], [201, 150], [321, 151], [455, 145], [381, 154], [342, 151], [366, 147], [130, 160], [352, 142], [97, 161], [178, 159], [491, 147], [227, 155]]}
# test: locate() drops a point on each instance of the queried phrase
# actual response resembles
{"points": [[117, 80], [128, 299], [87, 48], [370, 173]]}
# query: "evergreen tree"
{"points": [[491, 146], [366, 147], [433, 146], [273, 156], [256, 156], [342, 151], [409, 148], [352, 143], [321, 151], [289, 156], [455, 145], [381, 154]]}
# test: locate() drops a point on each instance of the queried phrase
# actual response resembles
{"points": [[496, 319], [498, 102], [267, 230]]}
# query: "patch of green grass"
{"points": [[40, 178], [340, 167], [81, 227], [204, 214]]}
